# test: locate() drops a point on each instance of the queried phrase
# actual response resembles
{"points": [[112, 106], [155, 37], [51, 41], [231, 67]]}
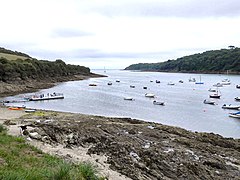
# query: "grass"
{"points": [[11, 56], [20, 161]]}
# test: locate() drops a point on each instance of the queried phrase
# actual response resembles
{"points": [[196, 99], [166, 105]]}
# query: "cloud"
{"points": [[172, 8], [69, 33]]}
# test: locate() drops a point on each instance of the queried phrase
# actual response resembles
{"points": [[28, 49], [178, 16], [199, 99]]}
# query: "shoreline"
{"points": [[133, 148], [185, 72], [31, 85]]}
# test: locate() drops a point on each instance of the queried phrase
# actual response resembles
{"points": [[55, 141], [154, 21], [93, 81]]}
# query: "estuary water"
{"points": [[184, 105]]}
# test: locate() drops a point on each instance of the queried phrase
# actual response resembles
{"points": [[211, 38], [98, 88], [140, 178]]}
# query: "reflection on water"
{"points": [[184, 105]]}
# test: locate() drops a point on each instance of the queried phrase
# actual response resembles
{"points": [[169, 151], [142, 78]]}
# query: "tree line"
{"points": [[11, 70], [214, 61]]}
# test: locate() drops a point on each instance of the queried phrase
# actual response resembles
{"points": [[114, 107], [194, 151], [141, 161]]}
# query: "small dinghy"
{"points": [[237, 98], [149, 95], [230, 106], [128, 98], [208, 102], [159, 103], [235, 115]]}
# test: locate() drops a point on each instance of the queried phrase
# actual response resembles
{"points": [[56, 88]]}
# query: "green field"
{"points": [[20, 161], [12, 56]]}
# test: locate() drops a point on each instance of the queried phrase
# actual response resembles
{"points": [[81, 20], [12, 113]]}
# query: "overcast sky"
{"points": [[115, 34]]}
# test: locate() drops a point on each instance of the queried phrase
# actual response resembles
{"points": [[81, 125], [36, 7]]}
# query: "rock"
{"points": [[9, 122], [35, 135]]}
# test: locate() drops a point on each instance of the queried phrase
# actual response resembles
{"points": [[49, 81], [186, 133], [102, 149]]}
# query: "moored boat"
{"points": [[92, 85], [208, 102], [217, 94], [171, 83], [235, 115], [149, 95], [129, 98], [237, 98], [230, 106], [159, 103]]}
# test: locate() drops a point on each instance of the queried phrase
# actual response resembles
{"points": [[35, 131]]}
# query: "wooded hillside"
{"points": [[215, 61], [22, 69]]}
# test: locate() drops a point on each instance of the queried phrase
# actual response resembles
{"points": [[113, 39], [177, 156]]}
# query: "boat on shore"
{"points": [[230, 106], [43, 97]]}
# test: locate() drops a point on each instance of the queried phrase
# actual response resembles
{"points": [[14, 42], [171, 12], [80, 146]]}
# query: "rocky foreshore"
{"points": [[138, 149], [32, 85]]}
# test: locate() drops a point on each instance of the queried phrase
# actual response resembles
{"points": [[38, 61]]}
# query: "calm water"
{"points": [[184, 101]]}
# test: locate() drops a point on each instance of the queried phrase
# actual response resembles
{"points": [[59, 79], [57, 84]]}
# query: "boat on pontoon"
{"points": [[43, 97]]}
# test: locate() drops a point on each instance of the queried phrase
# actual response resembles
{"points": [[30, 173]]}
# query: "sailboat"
{"points": [[200, 82], [226, 81], [217, 94]]}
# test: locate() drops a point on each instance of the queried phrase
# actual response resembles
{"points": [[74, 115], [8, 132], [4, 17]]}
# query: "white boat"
{"points": [[230, 106], [129, 98], [117, 80], [171, 83], [149, 95], [235, 115], [180, 81], [237, 98], [30, 110], [226, 82], [109, 83], [208, 102], [212, 90], [157, 81], [217, 94], [158, 103], [43, 97], [132, 86], [218, 85], [144, 87], [238, 86]]}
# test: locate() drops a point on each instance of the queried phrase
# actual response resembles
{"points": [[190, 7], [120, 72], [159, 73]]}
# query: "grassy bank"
{"points": [[20, 161]]}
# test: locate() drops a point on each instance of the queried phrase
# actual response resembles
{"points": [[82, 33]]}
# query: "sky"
{"points": [[114, 34]]}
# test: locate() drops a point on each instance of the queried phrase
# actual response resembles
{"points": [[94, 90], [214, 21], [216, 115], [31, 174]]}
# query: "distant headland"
{"points": [[212, 62]]}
